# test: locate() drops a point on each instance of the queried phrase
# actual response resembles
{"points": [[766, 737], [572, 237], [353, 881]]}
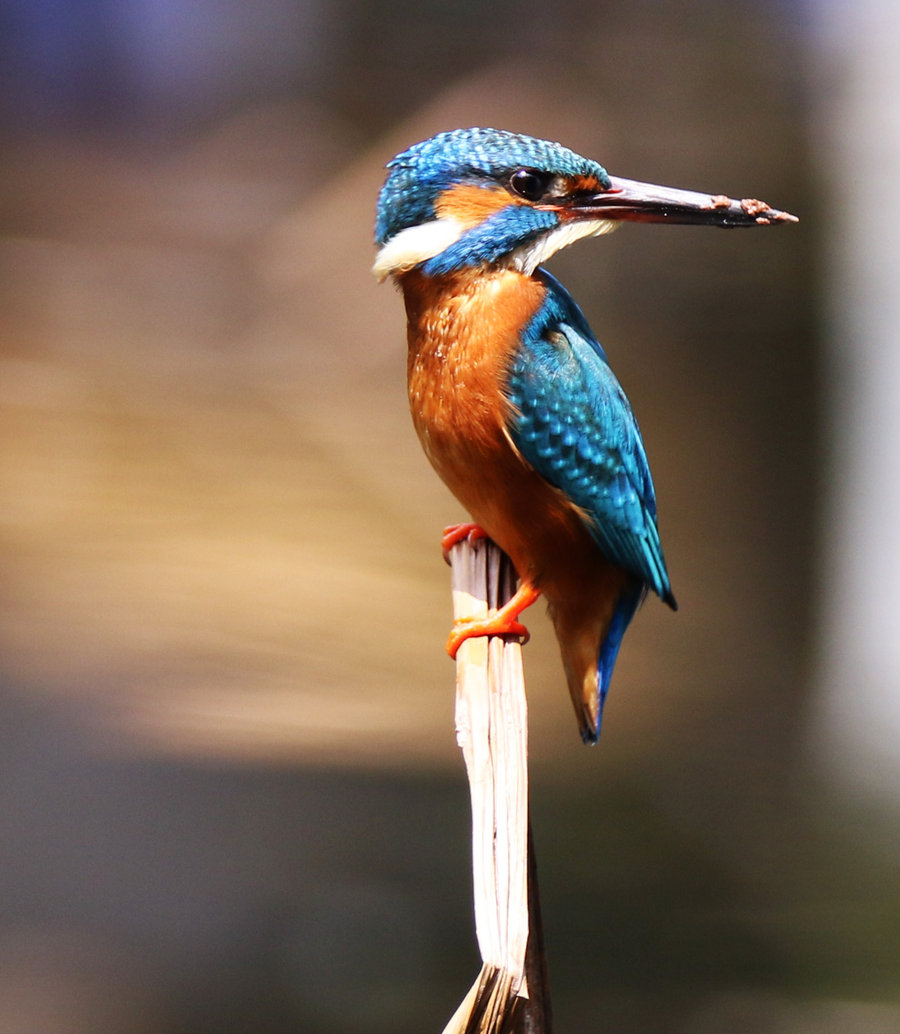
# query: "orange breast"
{"points": [[463, 331]]}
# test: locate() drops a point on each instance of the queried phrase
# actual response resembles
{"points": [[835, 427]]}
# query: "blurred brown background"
{"points": [[230, 796]]}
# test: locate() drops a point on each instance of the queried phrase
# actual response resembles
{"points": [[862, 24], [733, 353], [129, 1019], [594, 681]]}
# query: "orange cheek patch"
{"points": [[583, 184], [470, 204]]}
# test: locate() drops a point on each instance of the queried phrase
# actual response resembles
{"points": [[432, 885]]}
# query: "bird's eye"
{"points": [[530, 184]]}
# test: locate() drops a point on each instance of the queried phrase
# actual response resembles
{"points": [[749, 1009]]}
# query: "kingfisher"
{"points": [[512, 395]]}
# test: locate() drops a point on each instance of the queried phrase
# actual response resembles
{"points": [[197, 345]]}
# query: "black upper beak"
{"points": [[648, 203]]}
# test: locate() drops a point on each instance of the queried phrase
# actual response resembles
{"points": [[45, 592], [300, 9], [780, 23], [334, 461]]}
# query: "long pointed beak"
{"points": [[648, 203]]}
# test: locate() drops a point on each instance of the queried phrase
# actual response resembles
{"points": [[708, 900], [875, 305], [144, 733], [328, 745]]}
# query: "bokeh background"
{"points": [[230, 796]]}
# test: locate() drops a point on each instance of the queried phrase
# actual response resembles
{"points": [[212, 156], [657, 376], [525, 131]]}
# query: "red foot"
{"points": [[504, 622], [454, 533]]}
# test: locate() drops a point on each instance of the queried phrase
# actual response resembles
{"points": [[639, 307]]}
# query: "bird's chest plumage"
{"points": [[463, 333], [463, 336]]}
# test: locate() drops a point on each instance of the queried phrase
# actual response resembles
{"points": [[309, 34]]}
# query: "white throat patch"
{"points": [[530, 256]]}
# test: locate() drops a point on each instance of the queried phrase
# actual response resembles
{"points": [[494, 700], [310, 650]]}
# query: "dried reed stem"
{"points": [[510, 994]]}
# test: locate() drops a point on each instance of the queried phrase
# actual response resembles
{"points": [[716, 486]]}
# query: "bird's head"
{"points": [[486, 197]]}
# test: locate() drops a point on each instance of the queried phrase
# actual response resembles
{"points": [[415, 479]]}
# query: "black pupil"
{"points": [[528, 183]]}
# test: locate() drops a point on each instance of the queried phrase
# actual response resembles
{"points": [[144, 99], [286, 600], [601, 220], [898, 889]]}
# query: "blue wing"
{"points": [[574, 425]]}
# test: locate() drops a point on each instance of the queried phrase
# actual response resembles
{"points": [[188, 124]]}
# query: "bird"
{"points": [[511, 394]]}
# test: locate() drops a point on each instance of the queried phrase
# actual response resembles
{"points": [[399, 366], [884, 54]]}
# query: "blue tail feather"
{"points": [[609, 650]]}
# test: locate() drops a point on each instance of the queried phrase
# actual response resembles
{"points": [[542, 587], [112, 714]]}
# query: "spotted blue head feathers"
{"points": [[490, 157]]}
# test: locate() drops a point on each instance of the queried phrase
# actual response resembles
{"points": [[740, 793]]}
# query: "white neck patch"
{"points": [[416, 244], [530, 256]]}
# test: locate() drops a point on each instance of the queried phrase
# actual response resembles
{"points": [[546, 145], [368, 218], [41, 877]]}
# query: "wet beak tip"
{"points": [[763, 214], [759, 211]]}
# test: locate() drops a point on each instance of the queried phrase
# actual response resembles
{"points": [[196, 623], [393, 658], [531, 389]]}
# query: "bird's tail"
{"points": [[589, 645]]}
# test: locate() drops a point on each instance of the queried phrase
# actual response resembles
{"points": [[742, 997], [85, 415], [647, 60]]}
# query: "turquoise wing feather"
{"points": [[572, 422]]}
